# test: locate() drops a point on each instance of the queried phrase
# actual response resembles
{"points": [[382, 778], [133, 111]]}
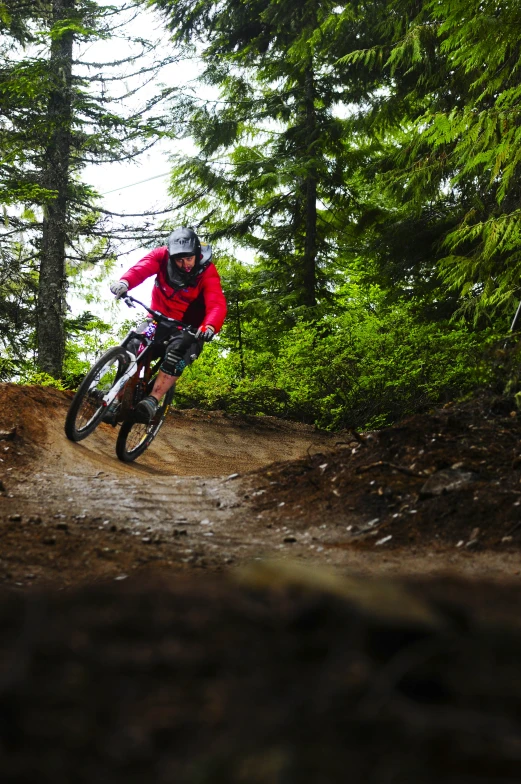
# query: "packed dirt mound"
{"points": [[72, 513], [213, 682], [190, 443], [451, 478]]}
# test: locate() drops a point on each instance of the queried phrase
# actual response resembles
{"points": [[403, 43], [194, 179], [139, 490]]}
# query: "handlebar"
{"points": [[131, 302]]}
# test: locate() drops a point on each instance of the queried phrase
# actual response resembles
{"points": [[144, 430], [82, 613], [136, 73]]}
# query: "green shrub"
{"points": [[40, 379], [362, 369]]}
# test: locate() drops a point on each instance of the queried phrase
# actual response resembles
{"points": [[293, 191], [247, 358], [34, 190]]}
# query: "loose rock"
{"points": [[445, 481]]}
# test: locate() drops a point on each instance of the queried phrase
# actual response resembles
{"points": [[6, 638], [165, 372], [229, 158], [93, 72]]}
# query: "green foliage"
{"points": [[409, 149], [451, 119], [365, 369], [367, 157], [379, 369], [88, 337], [271, 152], [36, 378], [18, 289], [59, 112]]}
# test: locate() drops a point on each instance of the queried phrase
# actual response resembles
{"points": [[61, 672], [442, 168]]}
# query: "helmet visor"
{"points": [[181, 256]]}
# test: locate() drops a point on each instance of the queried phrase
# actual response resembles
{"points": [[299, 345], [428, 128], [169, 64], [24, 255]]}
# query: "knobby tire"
{"points": [[88, 399], [135, 437]]}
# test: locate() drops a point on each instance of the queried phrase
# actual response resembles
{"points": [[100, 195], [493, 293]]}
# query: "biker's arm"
{"points": [[214, 300], [144, 268]]}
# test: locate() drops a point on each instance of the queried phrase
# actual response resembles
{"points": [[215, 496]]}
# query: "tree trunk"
{"points": [[310, 192], [52, 280]]}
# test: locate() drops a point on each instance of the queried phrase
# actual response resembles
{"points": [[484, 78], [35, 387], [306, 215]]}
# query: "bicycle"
{"points": [[117, 382]]}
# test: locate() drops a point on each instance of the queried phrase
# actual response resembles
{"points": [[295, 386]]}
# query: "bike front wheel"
{"points": [[88, 407], [135, 437]]}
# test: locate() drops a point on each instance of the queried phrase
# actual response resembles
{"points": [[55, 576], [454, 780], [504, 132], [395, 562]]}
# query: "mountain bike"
{"points": [[120, 378]]}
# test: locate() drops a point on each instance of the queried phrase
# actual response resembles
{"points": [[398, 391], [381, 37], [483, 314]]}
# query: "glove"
{"points": [[205, 333], [119, 288]]}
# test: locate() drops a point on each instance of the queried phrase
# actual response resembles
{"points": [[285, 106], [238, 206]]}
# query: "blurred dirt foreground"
{"points": [[255, 601]]}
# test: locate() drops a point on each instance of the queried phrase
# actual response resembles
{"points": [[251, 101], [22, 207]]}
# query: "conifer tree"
{"points": [[451, 171], [273, 153], [481, 39], [55, 176], [60, 112]]}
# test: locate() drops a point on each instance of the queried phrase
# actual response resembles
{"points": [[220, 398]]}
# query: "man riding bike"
{"points": [[188, 288]]}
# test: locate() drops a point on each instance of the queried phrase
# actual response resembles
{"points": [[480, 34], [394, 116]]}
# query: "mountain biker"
{"points": [[188, 288]]}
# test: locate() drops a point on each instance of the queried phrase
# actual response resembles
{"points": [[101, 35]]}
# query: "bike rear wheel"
{"points": [[135, 437], [88, 408]]}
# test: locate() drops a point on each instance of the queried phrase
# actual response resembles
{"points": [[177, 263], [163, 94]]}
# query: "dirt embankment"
{"points": [[436, 493], [449, 479], [73, 512]]}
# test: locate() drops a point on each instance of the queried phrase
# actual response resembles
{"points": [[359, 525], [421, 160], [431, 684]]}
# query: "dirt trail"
{"points": [[192, 443], [72, 512]]}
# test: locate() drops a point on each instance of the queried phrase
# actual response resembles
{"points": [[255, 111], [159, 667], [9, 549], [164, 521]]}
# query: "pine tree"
{"points": [[59, 114], [273, 154], [55, 176]]}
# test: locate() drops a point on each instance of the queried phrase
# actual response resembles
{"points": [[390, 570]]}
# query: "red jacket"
{"points": [[203, 303]]}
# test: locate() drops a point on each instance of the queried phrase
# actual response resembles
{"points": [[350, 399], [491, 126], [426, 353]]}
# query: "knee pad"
{"points": [[171, 360], [180, 352]]}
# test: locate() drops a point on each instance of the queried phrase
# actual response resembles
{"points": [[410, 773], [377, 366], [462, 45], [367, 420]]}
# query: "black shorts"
{"points": [[185, 348]]}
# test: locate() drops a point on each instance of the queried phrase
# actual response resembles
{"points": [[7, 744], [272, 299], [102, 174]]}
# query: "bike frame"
{"points": [[143, 360]]}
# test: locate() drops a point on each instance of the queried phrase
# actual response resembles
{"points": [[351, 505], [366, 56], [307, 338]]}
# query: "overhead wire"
{"points": [[132, 184]]}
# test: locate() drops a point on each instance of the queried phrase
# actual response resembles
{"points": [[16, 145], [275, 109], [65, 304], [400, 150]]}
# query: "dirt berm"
{"points": [[348, 613]]}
